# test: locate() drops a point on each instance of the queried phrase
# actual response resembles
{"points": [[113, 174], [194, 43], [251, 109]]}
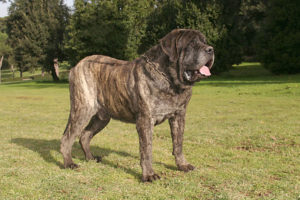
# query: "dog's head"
{"points": [[191, 53]]}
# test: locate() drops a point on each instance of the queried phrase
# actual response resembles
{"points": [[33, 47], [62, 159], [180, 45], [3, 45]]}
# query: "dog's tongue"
{"points": [[204, 70]]}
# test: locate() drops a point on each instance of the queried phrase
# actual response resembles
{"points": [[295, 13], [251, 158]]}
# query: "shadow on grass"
{"points": [[44, 148]]}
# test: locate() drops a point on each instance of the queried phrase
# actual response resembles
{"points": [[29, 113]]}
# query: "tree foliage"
{"points": [[126, 28], [279, 41], [3, 46], [35, 29], [204, 16], [252, 13], [112, 28], [5, 50], [267, 31]]}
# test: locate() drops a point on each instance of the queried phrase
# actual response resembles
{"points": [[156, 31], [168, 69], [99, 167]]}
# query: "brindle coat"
{"points": [[155, 87]]}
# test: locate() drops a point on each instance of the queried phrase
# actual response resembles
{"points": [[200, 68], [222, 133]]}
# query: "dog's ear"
{"points": [[177, 40], [169, 44]]}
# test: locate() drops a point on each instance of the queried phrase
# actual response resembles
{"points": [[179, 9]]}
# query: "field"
{"points": [[242, 134], [8, 77]]}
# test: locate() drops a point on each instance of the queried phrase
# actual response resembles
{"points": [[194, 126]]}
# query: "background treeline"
{"points": [[38, 31]]}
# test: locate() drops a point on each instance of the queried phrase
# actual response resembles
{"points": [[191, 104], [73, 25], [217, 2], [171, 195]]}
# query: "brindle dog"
{"points": [[152, 88]]}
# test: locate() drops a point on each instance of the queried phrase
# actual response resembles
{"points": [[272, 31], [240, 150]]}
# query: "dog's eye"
{"points": [[188, 58]]}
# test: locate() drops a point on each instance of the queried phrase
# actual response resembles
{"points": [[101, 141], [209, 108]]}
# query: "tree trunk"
{"points": [[56, 67], [12, 70], [1, 67], [55, 70], [54, 76]]}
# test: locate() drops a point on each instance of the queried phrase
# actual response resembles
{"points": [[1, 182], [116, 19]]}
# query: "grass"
{"points": [[8, 77], [242, 134]]}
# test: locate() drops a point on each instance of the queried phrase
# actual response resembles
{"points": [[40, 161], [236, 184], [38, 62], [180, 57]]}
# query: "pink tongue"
{"points": [[205, 71]]}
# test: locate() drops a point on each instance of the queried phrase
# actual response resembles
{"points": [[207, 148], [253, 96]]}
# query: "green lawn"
{"points": [[8, 77], [242, 134]]}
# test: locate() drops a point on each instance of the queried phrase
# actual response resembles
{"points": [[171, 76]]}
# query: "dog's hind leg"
{"points": [[95, 126], [78, 120]]}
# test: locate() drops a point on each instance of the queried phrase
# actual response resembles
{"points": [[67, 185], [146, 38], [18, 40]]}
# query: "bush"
{"points": [[203, 16], [279, 42]]}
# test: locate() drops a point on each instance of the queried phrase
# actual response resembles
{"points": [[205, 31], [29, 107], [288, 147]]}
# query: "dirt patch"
{"points": [[274, 147], [29, 98]]}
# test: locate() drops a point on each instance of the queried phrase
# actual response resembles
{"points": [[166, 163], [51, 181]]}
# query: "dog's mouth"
{"points": [[202, 71]]}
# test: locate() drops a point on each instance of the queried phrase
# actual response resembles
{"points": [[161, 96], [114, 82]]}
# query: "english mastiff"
{"points": [[146, 91]]}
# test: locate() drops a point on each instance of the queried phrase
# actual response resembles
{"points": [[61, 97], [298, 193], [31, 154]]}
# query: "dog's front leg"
{"points": [[177, 129], [144, 126]]}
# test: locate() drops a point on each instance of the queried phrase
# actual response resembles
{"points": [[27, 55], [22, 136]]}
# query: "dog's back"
{"points": [[104, 82]]}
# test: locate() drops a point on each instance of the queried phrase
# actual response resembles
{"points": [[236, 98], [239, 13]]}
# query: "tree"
{"points": [[137, 13], [279, 41], [5, 51], [200, 15], [95, 28], [1, 60], [35, 29], [57, 19], [112, 28], [252, 13], [3, 24], [27, 35]]}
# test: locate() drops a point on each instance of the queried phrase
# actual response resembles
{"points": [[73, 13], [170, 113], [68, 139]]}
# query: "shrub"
{"points": [[279, 42]]}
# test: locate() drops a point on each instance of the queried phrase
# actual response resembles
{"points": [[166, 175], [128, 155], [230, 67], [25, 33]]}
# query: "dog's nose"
{"points": [[209, 50]]}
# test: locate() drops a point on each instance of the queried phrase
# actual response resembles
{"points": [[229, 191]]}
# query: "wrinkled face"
{"points": [[190, 51], [196, 60]]}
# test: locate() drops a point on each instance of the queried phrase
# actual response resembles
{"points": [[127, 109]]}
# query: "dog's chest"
{"points": [[163, 107]]}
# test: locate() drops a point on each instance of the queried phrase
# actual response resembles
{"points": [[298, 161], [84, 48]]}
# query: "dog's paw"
{"points": [[72, 166], [150, 178], [186, 168]]}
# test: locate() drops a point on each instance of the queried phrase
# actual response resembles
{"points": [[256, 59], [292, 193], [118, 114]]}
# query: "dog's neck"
{"points": [[156, 55]]}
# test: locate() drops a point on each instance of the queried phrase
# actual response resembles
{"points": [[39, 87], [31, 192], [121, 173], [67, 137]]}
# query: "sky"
{"points": [[4, 7]]}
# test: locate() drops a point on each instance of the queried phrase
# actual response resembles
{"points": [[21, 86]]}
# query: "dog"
{"points": [[146, 91]]}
